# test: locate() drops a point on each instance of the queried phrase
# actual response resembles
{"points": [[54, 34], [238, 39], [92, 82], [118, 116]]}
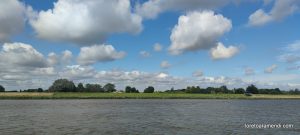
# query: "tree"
{"points": [[62, 85], [40, 90], [193, 89], [277, 91], [224, 89], [2, 89], [109, 87], [252, 89], [239, 91], [149, 89], [129, 89], [93, 88], [80, 87]]}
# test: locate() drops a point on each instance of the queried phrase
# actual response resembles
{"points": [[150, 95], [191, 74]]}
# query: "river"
{"points": [[148, 116]]}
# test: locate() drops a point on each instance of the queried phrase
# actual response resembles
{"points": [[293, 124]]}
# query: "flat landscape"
{"points": [[74, 95]]}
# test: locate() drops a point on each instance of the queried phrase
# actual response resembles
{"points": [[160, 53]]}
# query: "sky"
{"points": [[160, 43]]}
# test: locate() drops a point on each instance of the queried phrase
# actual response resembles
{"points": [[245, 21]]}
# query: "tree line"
{"points": [[65, 85], [224, 90]]}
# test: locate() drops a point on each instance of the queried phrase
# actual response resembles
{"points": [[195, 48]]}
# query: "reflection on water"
{"points": [[146, 116]]}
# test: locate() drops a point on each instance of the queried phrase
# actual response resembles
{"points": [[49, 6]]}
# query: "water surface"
{"points": [[146, 116]]}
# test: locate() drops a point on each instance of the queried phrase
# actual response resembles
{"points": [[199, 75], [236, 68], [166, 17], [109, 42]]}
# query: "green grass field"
{"points": [[59, 95]]}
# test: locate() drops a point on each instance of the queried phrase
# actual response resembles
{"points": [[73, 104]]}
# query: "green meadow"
{"points": [[86, 95]]}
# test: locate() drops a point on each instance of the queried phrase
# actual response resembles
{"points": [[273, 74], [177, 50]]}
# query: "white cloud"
{"points": [[271, 68], [151, 8], [221, 52], [44, 71], [52, 59], [294, 47], [162, 75], [86, 22], [249, 71], [198, 30], [165, 64], [267, 2], [218, 81], [198, 73], [98, 53], [280, 10], [77, 72], [290, 53], [20, 54], [259, 17], [289, 58], [67, 56], [44, 77], [12, 18], [22, 66], [145, 54], [157, 47], [294, 67]]}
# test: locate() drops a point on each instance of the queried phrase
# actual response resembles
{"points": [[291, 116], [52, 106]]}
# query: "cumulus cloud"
{"points": [[162, 75], [44, 77], [20, 54], [259, 17], [86, 22], [77, 72], [67, 56], [280, 10], [157, 47], [145, 54], [12, 18], [22, 66], [222, 52], [52, 59], [44, 71], [198, 30], [64, 58], [249, 71], [218, 81], [271, 68], [165, 64], [98, 53], [151, 8], [198, 73]]}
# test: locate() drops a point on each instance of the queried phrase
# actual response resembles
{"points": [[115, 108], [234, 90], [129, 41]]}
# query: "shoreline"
{"points": [[72, 95]]}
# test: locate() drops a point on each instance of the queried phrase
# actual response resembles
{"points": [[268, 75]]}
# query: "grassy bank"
{"points": [[24, 95]]}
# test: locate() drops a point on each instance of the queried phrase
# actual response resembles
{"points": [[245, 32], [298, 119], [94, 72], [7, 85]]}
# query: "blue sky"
{"points": [[252, 43]]}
